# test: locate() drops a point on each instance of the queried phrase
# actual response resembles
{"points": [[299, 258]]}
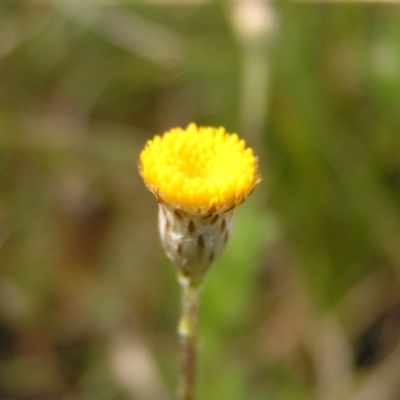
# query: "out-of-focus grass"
{"points": [[304, 302]]}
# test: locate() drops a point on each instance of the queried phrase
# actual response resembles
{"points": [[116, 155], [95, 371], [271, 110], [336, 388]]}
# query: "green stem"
{"points": [[188, 331]]}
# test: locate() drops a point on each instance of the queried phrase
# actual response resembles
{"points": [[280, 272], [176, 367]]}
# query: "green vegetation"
{"points": [[89, 302]]}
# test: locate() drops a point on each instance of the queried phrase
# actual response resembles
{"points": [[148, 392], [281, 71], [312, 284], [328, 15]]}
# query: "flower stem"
{"points": [[188, 332]]}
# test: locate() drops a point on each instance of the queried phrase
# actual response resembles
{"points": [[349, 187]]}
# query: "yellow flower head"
{"points": [[199, 170]]}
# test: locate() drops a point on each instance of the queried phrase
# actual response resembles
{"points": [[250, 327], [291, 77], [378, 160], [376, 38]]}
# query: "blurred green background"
{"points": [[304, 303]]}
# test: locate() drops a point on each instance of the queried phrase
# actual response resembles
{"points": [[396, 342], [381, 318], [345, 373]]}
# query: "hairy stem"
{"points": [[188, 332]]}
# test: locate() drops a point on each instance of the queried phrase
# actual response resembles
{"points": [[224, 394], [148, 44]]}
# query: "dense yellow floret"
{"points": [[198, 169]]}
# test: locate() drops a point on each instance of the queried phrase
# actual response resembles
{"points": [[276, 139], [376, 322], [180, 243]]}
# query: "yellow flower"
{"points": [[199, 170], [199, 175]]}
